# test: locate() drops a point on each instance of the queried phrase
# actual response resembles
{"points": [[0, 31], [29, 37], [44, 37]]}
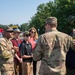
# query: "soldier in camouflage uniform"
{"points": [[6, 53], [51, 49]]}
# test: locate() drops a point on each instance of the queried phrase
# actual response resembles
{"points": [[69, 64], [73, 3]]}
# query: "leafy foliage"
{"points": [[64, 10], [24, 27]]}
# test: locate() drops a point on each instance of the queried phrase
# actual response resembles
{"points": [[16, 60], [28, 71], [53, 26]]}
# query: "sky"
{"points": [[18, 11]]}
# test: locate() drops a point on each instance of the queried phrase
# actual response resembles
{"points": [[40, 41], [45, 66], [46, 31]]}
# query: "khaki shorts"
{"points": [[27, 68]]}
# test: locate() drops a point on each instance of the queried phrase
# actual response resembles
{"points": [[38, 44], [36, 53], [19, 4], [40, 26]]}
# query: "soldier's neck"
{"points": [[53, 29]]}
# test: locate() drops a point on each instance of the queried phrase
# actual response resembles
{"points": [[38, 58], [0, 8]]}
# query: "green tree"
{"points": [[24, 27], [38, 21], [64, 10]]}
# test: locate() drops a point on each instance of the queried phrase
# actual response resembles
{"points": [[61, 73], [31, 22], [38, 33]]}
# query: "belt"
{"points": [[9, 62]]}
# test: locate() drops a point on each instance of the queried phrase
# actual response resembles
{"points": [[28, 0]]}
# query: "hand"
{"points": [[32, 55], [73, 41], [16, 48], [20, 60]]}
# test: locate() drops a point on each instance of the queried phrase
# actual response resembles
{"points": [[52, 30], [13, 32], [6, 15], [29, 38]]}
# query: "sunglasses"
{"points": [[27, 35], [9, 31], [32, 32]]}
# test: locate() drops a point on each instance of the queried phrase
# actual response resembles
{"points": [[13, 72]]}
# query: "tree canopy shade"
{"points": [[64, 10]]}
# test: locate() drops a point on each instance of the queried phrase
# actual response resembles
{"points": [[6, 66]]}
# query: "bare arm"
{"points": [[26, 56]]}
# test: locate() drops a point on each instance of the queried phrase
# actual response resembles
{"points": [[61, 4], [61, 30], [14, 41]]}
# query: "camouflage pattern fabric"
{"points": [[6, 57], [51, 49]]}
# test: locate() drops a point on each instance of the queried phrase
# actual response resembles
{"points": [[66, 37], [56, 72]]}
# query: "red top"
{"points": [[1, 30], [33, 43], [17, 44]]}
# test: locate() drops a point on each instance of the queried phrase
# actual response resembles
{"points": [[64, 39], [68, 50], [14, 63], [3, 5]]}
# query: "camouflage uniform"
{"points": [[51, 49], [6, 57]]}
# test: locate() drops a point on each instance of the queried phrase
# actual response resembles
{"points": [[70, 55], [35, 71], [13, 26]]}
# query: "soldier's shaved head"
{"points": [[52, 21]]}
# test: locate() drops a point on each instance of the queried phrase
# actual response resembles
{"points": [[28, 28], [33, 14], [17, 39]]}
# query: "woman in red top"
{"points": [[33, 39]]}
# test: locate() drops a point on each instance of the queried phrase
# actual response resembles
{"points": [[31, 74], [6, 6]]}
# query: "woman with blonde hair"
{"points": [[35, 31], [33, 39], [33, 36]]}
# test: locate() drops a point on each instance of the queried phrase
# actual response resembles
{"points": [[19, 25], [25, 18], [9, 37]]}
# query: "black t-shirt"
{"points": [[25, 49]]}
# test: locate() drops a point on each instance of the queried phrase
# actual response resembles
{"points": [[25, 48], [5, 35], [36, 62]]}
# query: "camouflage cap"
{"points": [[26, 33], [8, 29], [51, 21]]}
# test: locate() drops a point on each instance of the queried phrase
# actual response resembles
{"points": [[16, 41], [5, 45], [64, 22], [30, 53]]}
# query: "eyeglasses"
{"points": [[32, 32]]}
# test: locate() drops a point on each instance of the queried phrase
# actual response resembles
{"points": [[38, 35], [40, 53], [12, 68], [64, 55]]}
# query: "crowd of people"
{"points": [[16, 54], [20, 56]]}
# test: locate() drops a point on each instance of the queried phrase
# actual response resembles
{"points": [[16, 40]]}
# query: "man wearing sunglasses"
{"points": [[6, 53]]}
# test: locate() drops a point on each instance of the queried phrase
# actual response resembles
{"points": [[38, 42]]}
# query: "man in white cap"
{"points": [[17, 59]]}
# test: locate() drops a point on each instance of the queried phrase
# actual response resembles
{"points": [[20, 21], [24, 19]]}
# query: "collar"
{"points": [[53, 29]]}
